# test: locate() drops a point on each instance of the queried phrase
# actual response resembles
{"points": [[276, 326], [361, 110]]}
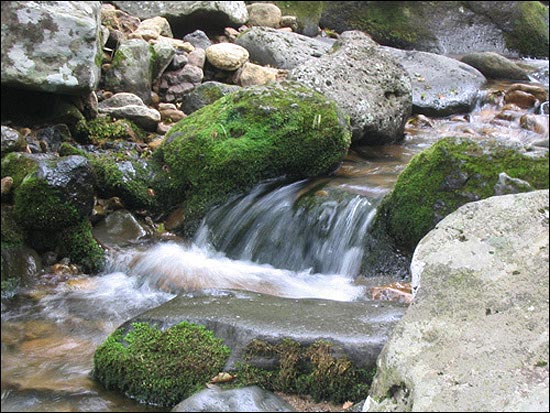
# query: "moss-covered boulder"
{"points": [[253, 134], [316, 370], [53, 199], [159, 367], [451, 173], [446, 27], [127, 177]]}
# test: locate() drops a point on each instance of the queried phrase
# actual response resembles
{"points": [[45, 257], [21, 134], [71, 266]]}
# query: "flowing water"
{"points": [[301, 239]]}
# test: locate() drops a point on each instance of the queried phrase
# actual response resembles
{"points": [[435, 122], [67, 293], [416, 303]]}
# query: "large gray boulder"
{"points": [[441, 85], [187, 16], [270, 47], [475, 337], [51, 46], [358, 329], [366, 82]]}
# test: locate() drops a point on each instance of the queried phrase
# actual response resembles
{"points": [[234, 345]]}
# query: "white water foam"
{"points": [[176, 268]]}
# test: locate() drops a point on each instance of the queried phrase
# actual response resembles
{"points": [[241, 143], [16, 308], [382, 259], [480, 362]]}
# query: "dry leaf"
{"points": [[347, 405], [222, 378]]}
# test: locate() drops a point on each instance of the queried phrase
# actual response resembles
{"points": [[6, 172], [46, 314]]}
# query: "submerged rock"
{"points": [[476, 335]]}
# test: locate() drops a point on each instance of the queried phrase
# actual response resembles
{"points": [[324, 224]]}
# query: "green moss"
{"points": [[308, 13], [105, 129], [18, 166], [159, 367], [529, 35], [126, 177], [395, 23], [66, 149], [312, 370], [40, 207], [78, 244], [118, 59], [252, 135], [448, 175]]}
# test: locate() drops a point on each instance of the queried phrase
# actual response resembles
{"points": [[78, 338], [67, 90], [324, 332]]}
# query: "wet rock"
{"points": [[227, 56], [535, 123], [205, 94], [441, 86], [12, 141], [398, 292], [55, 192], [520, 98], [359, 329], [131, 107], [20, 263], [53, 136], [377, 96], [51, 47], [247, 399], [495, 66], [269, 47], [479, 319], [264, 14], [119, 229]]}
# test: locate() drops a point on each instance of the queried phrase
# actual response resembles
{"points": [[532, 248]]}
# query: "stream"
{"points": [[294, 240]]}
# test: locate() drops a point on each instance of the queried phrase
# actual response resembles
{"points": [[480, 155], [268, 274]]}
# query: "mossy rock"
{"points": [[399, 24], [251, 135], [316, 370], [159, 367], [104, 129], [18, 166], [451, 173], [127, 177], [79, 244], [308, 14], [529, 34]]}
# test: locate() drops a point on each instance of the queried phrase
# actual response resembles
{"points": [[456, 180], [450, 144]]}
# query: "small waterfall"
{"points": [[295, 227]]}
